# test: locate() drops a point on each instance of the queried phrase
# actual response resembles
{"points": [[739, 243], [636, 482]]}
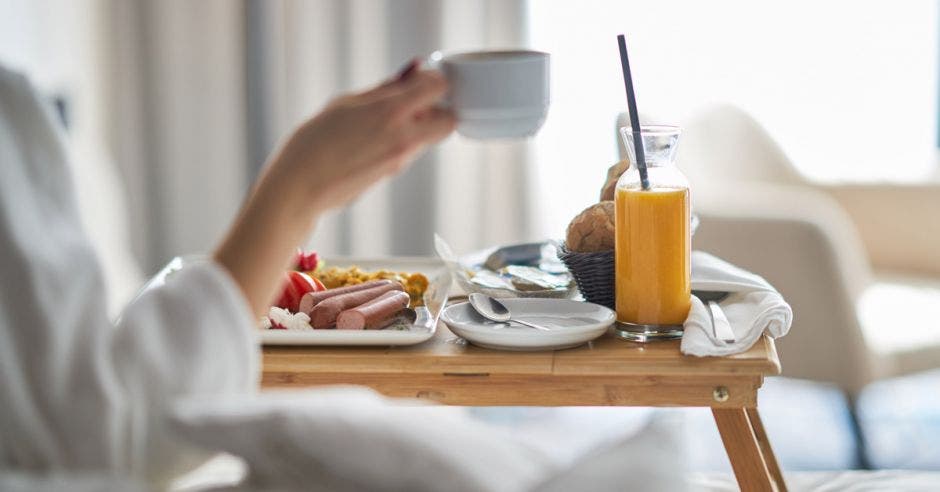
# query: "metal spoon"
{"points": [[494, 310], [720, 325]]}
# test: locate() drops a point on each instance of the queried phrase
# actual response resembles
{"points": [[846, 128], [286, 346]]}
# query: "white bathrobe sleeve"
{"points": [[78, 393]]}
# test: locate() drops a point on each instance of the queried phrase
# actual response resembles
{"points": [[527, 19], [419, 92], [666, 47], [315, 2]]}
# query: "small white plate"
{"points": [[424, 327], [572, 323]]}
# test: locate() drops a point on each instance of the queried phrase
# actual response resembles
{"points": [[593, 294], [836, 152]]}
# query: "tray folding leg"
{"points": [[748, 448]]}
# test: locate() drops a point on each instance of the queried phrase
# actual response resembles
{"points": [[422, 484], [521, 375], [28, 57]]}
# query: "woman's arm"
{"points": [[354, 142]]}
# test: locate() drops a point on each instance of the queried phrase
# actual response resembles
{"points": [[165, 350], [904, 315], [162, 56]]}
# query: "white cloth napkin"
{"points": [[753, 308]]}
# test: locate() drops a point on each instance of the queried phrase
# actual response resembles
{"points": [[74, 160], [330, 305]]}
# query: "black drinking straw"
{"points": [[634, 115]]}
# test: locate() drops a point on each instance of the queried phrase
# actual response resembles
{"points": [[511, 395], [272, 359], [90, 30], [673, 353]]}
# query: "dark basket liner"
{"points": [[594, 274]]}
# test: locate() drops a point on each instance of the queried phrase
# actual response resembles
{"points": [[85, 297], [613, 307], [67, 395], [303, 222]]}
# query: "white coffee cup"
{"points": [[496, 94]]}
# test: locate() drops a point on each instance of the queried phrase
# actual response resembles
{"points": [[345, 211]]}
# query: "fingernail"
{"points": [[409, 68]]}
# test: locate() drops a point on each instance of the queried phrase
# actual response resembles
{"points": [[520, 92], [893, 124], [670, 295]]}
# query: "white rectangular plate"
{"points": [[423, 328]]}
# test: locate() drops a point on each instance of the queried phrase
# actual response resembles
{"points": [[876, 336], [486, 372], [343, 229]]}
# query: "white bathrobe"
{"points": [[77, 392]]}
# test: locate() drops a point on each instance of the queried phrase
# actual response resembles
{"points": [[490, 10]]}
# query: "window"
{"points": [[818, 75]]}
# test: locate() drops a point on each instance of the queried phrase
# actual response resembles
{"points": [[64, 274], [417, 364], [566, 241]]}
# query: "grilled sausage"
{"points": [[375, 314], [324, 314], [311, 299]]}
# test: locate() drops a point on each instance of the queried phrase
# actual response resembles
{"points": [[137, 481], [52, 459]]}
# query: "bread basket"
{"points": [[593, 272]]}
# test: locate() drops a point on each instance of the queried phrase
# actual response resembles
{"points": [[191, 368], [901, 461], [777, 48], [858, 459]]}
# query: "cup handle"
{"points": [[433, 62]]}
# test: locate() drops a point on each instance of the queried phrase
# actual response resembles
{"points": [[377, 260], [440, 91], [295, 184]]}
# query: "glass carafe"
{"points": [[653, 241]]}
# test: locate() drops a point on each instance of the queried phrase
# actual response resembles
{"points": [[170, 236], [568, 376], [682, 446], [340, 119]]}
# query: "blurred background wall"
{"points": [[173, 105]]}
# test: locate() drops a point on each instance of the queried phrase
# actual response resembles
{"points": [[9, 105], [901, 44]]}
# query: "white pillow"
{"points": [[651, 460], [350, 438], [73, 481]]}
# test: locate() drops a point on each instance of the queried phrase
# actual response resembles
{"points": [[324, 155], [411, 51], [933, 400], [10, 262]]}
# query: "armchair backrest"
{"points": [[801, 242]]}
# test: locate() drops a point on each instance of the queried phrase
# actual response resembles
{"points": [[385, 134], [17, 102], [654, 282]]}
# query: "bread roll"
{"points": [[593, 229], [613, 174]]}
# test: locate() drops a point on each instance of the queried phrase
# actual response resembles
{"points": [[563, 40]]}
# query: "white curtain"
{"points": [[472, 193], [200, 92], [176, 119]]}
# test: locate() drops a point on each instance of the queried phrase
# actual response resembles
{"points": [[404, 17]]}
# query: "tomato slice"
{"points": [[296, 284]]}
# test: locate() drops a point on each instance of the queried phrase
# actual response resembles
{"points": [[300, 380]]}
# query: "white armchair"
{"points": [[858, 263]]}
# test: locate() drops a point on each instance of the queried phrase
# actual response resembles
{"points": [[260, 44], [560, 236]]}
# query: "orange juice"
{"points": [[653, 256]]}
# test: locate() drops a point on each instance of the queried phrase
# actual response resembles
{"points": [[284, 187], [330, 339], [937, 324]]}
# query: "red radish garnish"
{"points": [[306, 262]]}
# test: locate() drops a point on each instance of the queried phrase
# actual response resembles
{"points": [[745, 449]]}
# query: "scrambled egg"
{"points": [[415, 283]]}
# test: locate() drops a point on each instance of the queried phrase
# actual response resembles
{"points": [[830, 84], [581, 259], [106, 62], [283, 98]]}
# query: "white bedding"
{"points": [[221, 473], [847, 481], [348, 438]]}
